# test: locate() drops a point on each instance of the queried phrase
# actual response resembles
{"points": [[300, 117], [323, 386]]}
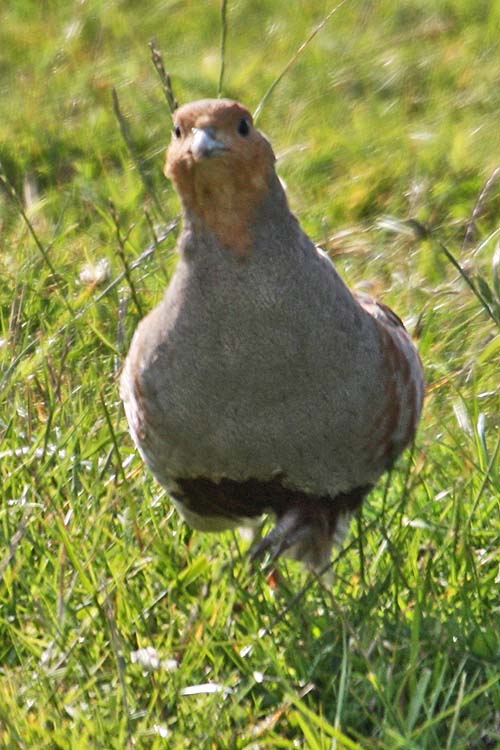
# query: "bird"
{"points": [[261, 387]]}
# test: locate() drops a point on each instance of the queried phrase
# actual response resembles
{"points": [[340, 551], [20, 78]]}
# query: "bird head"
{"points": [[221, 167]]}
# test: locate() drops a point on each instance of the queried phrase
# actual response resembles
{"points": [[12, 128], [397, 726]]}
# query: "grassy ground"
{"points": [[113, 615]]}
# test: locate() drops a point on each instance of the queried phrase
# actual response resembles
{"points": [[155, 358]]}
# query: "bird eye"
{"points": [[177, 131], [244, 127]]}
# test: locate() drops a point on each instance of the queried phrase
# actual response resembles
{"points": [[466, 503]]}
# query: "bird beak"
{"points": [[204, 143]]}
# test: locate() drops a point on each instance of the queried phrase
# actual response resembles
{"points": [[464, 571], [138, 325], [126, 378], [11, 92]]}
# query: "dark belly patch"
{"points": [[254, 497]]}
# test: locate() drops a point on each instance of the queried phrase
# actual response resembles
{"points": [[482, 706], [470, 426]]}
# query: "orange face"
{"points": [[221, 167], [215, 129]]}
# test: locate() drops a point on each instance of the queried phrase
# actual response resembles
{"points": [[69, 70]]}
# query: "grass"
{"points": [[114, 616]]}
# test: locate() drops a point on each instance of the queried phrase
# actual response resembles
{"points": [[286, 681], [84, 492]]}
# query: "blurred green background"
{"points": [[413, 84]]}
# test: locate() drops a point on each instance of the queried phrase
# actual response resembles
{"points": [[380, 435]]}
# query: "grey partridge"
{"points": [[261, 384]]}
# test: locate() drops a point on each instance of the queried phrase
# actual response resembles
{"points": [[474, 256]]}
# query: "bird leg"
{"points": [[288, 531]]}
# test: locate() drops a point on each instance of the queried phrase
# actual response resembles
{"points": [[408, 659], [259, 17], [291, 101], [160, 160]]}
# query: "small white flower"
{"points": [[170, 665], [148, 658], [96, 274], [161, 730]]}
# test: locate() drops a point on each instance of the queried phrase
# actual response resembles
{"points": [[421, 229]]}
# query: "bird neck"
{"points": [[234, 215]]}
